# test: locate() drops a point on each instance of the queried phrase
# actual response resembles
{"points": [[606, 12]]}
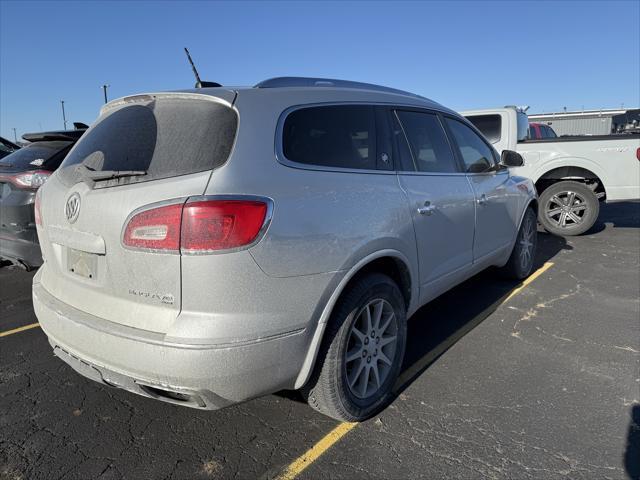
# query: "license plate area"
{"points": [[83, 264]]}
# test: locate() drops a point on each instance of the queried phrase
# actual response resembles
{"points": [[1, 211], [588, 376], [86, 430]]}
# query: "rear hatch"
{"points": [[143, 152]]}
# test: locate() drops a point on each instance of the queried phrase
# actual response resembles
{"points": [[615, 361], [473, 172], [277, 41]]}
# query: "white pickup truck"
{"points": [[572, 174]]}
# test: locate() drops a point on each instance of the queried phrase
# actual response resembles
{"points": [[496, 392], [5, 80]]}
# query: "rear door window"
{"points": [[164, 136], [477, 156], [429, 146], [342, 136]]}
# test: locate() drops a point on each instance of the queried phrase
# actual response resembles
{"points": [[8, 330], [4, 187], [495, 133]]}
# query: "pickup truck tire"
{"points": [[523, 255], [362, 351], [568, 208]]}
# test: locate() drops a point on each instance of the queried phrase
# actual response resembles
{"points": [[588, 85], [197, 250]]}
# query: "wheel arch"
{"points": [[570, 173], [389, 262]]}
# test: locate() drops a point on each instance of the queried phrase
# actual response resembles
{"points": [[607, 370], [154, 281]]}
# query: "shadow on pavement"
{"points": [[441, 323], [619, 215]]}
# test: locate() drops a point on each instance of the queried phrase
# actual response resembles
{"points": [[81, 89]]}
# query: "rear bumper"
{"points": [[198, 376], [18, 235], [23, 248]]}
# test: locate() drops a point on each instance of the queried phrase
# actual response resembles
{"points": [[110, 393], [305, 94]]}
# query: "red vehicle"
{"points": [[538, 131]]}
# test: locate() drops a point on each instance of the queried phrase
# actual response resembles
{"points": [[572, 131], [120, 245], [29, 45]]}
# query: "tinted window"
{"points": [[489, 125], [476, 154], [164, 136], [429, 146], [548, 133], [36, 155], [333, 136]]}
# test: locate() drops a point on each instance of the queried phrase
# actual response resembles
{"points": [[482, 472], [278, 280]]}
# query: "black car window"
{"points": [[548, 133], [489, 125], [429, 145], [341, 136], [36, 155], [165, 137], [476, 154]]}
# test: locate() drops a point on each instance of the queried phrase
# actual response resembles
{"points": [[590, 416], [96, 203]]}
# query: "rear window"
{"points": [[165, 137], [429, 146], [37, 155], [489, 125], [341, 136]]}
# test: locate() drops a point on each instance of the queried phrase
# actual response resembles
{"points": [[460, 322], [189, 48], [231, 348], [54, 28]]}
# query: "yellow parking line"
{"points": [[311, 455], [19, 329], [529, 279], [420, 365]]}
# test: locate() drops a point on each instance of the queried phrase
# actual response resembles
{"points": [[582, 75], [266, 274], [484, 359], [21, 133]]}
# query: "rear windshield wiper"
{"points": [[97, 175]]}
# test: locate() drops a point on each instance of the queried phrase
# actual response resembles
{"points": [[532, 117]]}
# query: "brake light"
{"points": [[29, 180], [638, 154], [36, 210], [198, 226], [221, 224]]}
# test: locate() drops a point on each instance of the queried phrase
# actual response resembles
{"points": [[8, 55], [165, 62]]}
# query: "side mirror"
{"points": [[509, 158]]}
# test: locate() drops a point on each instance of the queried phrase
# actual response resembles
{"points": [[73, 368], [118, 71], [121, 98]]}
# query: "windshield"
{"points": [[164, 137], [36, 155]]}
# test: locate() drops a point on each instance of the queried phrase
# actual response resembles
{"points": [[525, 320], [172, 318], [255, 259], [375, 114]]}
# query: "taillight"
{"points": [[155, 229], [32, 179], [221, 224], [638, 154], [198, 226], [36, 210]]}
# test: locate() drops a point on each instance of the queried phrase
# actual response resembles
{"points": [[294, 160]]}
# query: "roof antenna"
{"points": [[199, 83]]}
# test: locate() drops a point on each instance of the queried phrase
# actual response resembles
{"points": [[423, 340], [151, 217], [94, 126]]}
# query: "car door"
{"points": [[495, 211], [439, 197]]}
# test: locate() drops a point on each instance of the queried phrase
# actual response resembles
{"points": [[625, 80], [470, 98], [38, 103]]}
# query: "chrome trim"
{"points": [[72, 207]]}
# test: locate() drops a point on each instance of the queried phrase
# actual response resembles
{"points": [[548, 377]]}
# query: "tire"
{"points": [[568, 208], [523, 255], [346, 389]]}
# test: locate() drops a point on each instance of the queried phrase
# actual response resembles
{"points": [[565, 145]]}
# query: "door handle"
{"points": [[428, 209], [482, 200]]}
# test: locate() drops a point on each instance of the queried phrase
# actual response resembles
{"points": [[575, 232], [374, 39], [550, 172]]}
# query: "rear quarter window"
{"points": [[489, 125], [342, 136], [166, 137]]}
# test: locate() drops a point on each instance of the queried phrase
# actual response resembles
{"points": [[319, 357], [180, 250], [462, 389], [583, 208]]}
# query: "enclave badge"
{"points": [[72, 208]]}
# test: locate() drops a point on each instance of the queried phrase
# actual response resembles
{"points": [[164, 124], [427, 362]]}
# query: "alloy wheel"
{"points": [[527, 241], [566, 209], [371, 348]]}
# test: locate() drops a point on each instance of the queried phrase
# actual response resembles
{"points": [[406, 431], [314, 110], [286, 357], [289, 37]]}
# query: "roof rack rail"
{"points": [[279, 82]]}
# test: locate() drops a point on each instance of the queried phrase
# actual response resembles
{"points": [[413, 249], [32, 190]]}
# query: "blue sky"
{"points": [[463, 54]]}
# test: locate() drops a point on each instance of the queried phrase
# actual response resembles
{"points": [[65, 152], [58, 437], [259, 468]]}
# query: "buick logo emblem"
{"points": [[72, 208]]}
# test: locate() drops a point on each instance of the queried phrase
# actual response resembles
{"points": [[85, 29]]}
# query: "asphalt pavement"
{"points": [[500, 381]]}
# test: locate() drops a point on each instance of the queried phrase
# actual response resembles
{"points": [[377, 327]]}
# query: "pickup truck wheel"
{"points": [[523, 254], [362, 351], [568, 208]]}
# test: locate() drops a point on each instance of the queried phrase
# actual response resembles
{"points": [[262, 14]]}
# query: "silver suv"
{"points": [[209, 246]]}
